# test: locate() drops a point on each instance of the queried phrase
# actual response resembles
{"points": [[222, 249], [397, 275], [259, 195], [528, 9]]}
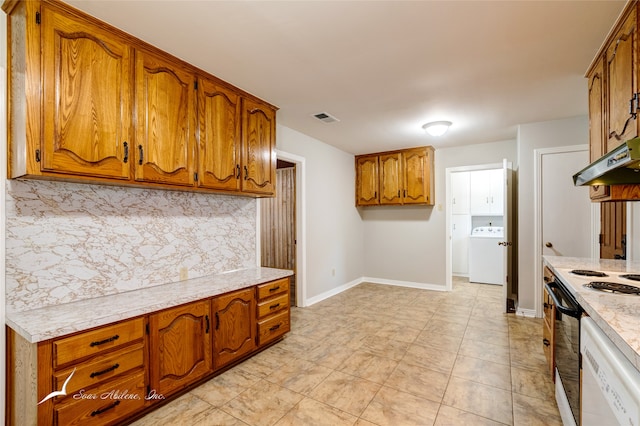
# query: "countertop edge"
{"points": [[55, 321]]}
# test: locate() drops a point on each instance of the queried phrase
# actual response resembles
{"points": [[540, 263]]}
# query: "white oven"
{"points": [[610, 383]]}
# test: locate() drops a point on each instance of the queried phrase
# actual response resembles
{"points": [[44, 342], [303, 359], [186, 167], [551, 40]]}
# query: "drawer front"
{"points": [[273, 305], [94, 342], [100, 368], [103, 405], [273, 327], [273, 288]]}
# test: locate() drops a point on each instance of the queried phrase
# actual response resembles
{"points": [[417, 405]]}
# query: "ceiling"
{"points": [[384, 68]]}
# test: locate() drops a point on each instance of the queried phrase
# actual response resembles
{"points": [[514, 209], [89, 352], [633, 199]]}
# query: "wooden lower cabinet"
{"points": [[180, 343], [548, 326], [234, 332], [114, 373]]}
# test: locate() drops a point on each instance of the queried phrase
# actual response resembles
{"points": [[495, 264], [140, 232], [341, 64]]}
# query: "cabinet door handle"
{"points": [[106, 370], [206, 318], [237, 171], [546, 342], [107, 408], [246, 173], [102, 342], [141, 154], [272, 289], [398, 193], [126, 152], [217, 321]]}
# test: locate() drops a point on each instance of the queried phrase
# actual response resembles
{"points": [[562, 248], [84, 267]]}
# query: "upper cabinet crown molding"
{"points": [[395, 177], [91, 103]]}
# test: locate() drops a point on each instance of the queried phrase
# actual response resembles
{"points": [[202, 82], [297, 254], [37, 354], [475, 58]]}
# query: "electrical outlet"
{"points": [[184, 273]]}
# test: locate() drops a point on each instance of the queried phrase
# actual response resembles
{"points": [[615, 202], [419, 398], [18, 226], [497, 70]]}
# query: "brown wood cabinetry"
{"points": [[90, 103], [395, 177], [234, 333], [548, 325], [614, 99], [89, 366], [121, 370], [274, 315], [180, 347], [165, 121]]}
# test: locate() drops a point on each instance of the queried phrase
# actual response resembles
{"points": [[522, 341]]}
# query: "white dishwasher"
{"points": [[610, 383], [486, 257]]}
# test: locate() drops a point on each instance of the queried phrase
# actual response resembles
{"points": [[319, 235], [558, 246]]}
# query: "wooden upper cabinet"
{"points": [[597, 139], [620, 63], [258, 148], [180, 346], [395, 177], [367, 181], [391, 178], [418, 176], [166, 121], [219, 131]]}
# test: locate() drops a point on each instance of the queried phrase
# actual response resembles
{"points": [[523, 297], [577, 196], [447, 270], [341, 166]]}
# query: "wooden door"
{"points": [[621, 82], [613, 230], [219, 130], [390, 178], [258, 148], [88, 96], [180, 346], [234, 332], [166, 114], [367, 180], [417, 176]]}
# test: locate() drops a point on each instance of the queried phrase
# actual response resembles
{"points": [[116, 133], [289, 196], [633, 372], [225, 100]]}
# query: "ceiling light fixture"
{"points": [[437, 128]]}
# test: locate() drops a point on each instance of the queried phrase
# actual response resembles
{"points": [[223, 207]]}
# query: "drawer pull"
{"points": [[275, 327], [272, 289], [107, 408], [274, 306], [106, 370], [102, 342], [546, 342]]}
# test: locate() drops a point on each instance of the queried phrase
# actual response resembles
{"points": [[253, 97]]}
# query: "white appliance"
{"points": [[486, 257], [610, 383]]}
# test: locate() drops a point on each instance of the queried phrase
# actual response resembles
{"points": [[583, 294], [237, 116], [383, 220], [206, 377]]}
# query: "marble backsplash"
{"points": [[67, 242]]}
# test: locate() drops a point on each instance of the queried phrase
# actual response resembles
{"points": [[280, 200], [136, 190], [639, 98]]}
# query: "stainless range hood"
{"points": [[618, 167]]}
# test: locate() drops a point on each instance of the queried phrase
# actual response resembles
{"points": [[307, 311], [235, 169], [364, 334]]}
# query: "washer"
{"points": [[486, 257]]}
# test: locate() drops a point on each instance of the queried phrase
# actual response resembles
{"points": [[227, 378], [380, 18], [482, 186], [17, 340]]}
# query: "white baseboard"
{"points": [[530, 313], [327, 294]]}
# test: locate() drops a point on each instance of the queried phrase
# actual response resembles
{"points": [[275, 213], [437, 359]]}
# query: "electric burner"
{"points": [[613, 287], [588, 273], [632, 277]]}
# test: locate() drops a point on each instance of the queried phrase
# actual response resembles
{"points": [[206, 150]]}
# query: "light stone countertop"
{"points": [[54, 321], [618, 315]]}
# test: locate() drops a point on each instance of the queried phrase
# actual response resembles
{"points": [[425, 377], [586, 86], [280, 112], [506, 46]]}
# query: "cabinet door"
{"points": [[496, 195], [597, 145], [417, 171], [621, 84], [480, 198], [367, 180], [258, 148], [88, 96], [460, 232], [165, 143], [235, 326], [180, 347], [460, 193], [219, 130], [390, 178]]}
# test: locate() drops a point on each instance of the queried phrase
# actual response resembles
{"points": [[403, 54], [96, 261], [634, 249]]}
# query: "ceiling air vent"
{"points": [[325, 117]]}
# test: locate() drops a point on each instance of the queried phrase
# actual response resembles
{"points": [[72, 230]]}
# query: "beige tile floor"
{"points": [[384, 355]]}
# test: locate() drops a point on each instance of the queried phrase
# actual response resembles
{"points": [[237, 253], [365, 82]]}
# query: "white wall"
{"points": [[408, 243], [334, 238], [532, 136]]}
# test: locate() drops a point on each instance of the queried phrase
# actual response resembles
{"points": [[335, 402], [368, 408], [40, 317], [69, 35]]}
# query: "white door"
{"points": [[566, 209], [507, 244]]}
